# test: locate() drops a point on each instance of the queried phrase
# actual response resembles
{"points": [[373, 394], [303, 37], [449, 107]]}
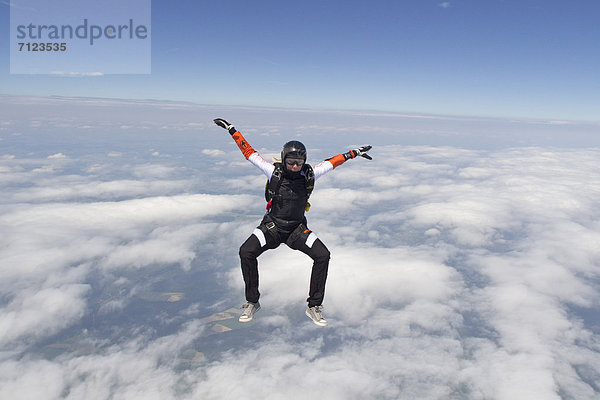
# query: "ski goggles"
{"points": [[294, 161]]}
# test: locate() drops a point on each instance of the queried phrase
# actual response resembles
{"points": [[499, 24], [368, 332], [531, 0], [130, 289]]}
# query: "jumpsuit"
{"points": [[285, 223]]}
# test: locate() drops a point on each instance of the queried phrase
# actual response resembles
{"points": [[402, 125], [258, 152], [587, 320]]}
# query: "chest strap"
{"points": [[272, 186]]}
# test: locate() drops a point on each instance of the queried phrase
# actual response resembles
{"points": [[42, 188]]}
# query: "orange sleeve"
{"points": [[244, 146], [338, 160]]}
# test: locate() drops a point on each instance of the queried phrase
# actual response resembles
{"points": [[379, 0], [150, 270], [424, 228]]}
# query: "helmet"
{"points": [[293, 148]]}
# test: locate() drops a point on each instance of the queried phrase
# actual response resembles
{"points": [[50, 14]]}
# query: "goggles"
{"points": [[294, 161]]}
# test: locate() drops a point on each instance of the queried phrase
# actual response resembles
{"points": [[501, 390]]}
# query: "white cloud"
{"points": [[213, 152], [57, 156], [516, 223], [153, 171], [51, 248], [455, 272], [59, 190], [50, 308]]}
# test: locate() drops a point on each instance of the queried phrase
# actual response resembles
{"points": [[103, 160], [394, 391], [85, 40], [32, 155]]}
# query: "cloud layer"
{"points": [[457, 272]]}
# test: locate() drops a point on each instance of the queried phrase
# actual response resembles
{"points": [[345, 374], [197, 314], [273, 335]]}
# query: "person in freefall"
{"points": [[290, 183]]}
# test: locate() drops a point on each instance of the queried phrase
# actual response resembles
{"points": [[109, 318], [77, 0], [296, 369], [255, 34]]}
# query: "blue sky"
{"points": [[533, 59]]}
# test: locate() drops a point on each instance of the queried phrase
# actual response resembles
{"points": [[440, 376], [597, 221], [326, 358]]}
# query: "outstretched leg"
{"points": [[249, 252], [320, 255]]}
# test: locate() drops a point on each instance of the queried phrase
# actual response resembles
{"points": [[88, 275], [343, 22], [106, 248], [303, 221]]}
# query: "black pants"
{"points": [[252, 248]]}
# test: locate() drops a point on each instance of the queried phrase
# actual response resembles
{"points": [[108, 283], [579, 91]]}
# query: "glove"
{"points": [[225, 125], [362, 151]]}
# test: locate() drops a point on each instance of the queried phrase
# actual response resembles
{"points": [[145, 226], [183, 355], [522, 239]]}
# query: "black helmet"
{"points": [[293, 148]]}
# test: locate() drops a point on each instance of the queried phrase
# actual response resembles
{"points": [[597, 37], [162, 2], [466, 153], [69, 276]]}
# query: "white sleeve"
{"points": [[266, 167], [322, 168]]}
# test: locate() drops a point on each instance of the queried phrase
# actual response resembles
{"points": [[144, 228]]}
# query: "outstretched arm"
{"points": [[244, 146], [342, 158], [335, 161], [251, 155]]}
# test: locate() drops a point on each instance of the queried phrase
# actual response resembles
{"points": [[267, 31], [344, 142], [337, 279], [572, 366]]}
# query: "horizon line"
{"points": [[355, 111]]}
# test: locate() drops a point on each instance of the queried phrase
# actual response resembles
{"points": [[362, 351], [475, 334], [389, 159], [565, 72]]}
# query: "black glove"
{"points": [[225, 125], [362, 151]]}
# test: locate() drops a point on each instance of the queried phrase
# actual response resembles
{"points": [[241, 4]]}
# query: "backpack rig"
{"points": [[272, 186]]}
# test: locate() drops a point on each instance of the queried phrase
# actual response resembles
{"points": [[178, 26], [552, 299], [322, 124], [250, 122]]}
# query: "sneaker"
{"points": [[249, 310], [314, 313]]}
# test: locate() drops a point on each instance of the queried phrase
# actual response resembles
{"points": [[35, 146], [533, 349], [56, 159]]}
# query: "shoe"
{"points": [[314, 313], [249, 310]]}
